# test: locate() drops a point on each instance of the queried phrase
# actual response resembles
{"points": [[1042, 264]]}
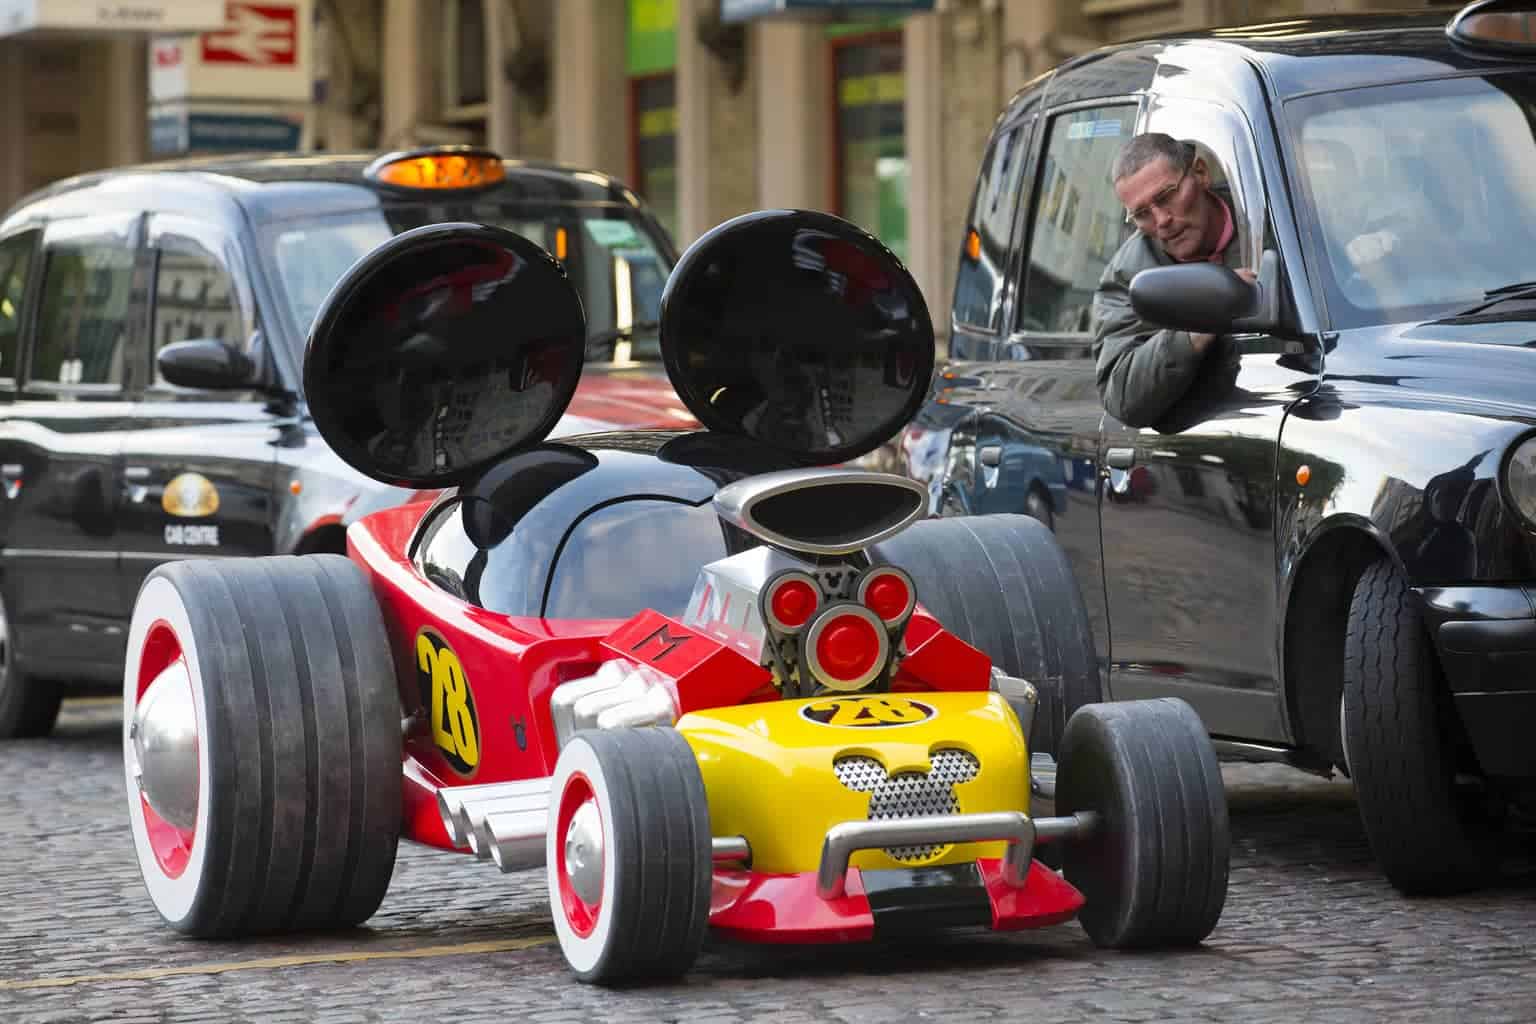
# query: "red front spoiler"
{"points": [[754, 907]]}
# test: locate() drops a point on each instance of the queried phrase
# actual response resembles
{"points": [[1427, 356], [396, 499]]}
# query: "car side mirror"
{"points": [[207, 364], [1208, 298]]}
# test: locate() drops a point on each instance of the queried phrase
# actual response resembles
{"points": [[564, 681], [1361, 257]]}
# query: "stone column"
{"points": [[403, 94], [695, 213], [591, 93], [125, 75], [923, 112], [794, 115], [13, 155]]}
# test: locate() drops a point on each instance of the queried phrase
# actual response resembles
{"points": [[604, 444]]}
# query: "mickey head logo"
{"points": [[909, 794]]}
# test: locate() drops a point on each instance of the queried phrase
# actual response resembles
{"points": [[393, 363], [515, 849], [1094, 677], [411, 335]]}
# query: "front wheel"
{"points": [[1154, 872], [28, 707], [628, 855]]}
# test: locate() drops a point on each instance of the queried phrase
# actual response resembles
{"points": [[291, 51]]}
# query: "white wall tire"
{"points": [[644, 915], [297, 744]]}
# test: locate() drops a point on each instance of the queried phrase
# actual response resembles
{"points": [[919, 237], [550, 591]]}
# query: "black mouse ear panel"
{"points": [[444, 350], [799, 330]]}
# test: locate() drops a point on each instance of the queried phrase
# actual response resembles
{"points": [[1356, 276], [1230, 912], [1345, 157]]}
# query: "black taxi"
{"points": [[152, 330], [1328, 544]]}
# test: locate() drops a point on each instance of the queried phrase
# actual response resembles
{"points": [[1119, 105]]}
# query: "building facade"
{"points": [[708, 108]]}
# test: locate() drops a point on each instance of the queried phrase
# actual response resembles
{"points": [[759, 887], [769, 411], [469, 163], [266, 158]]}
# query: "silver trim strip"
{"points": [[1018, 829]]}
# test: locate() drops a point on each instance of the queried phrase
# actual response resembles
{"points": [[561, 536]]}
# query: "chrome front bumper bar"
{"points": [[1017, 829]]}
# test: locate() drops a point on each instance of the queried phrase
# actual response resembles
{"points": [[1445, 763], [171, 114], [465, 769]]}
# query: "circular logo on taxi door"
{"points": [[190, 496], [450, 705]]}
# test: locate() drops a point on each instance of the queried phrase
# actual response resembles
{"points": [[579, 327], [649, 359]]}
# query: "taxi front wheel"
{"points": [[28, 707]]}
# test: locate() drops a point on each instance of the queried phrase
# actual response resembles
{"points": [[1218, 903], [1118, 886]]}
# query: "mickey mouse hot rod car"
{"points": [[698, 677]]}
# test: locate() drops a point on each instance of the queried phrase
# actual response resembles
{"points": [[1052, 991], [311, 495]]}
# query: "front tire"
{"points": [[1154, 873], [1398, 735], [261, 741], [628, 855]]}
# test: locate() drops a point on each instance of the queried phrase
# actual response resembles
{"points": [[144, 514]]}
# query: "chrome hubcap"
{"points": [[164, 734], [584, 852]]}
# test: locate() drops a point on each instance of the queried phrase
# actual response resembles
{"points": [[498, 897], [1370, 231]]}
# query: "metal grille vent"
{"points": [[909, 794]]}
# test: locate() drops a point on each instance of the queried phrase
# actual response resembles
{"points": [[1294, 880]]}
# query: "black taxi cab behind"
{"points": [[152, 329], [1328, 545]]}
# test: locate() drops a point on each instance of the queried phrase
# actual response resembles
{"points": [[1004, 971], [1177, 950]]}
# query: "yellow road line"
{"points": [[296, 960]]}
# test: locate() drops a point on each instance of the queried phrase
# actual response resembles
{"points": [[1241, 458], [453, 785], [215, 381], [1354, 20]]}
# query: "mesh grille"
{"points": [[909, 794]]}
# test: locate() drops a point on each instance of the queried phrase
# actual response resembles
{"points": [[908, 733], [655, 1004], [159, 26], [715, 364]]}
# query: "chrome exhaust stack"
{"points": [[503, 822]]}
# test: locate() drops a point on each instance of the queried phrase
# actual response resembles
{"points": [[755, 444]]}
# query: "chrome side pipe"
{"points": [[1017, 829], [731, 848]]}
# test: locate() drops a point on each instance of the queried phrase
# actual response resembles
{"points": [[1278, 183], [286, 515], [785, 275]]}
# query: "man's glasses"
{"points": [[1142, 215]]}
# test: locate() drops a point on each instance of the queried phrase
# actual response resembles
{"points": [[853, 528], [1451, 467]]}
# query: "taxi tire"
{"points": [[1002, 584], [300, 729], [1154, 874], [28, 706], [658, 855], [1398, 727]]}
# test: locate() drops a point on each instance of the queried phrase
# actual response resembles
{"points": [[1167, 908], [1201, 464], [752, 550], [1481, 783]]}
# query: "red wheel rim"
{"points": [[579, 914], [172, 846]]}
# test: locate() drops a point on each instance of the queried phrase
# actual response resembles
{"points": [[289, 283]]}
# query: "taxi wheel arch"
{"points": [[1154, 873], [649, 917], [1002, 584], [298, 744]]}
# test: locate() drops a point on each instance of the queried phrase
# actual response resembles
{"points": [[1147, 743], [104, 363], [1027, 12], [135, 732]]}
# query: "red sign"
{"points": [[167, 55], [261, 34]]}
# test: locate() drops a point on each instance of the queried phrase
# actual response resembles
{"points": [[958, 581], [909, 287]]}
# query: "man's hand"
{"points": [[1200, 342]]}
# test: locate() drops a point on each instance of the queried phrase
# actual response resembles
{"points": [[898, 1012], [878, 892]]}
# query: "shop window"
{"points": [[1077, 223], [653, 124], [870, 150]]}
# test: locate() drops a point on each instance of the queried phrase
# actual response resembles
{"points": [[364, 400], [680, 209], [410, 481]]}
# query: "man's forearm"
{"points": [[1140, 380]]}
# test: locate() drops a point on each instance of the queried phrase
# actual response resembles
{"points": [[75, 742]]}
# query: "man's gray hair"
{"points": [[1143, 149]]}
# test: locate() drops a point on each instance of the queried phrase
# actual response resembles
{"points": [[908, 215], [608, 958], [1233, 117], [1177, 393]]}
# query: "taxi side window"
{"points": [[16, 256], [1077, 223], [84, 321], [984, 249], [195, 298]]}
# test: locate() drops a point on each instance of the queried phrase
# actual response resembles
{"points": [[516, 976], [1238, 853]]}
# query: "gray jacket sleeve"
{"points": [[1141, 370]]}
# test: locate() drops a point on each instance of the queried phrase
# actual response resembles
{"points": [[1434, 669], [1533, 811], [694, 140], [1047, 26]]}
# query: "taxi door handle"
{"points": [[1120, 458]]}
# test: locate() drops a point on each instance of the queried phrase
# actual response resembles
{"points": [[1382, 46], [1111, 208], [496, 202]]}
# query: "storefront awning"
{"points": [[748, 10], [109, 16]]}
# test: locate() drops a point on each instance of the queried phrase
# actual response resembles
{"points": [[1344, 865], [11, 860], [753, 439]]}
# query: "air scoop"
{"points": [[822, 511]]}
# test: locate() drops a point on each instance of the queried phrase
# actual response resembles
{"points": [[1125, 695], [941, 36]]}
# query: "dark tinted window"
{"points": [[15, 263], [1077, 222], [978, 286], [195, 297], [84, 323]]}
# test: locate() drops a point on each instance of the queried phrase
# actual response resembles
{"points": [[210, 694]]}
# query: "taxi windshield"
{"points": [[1420, 193], [618, 265]]}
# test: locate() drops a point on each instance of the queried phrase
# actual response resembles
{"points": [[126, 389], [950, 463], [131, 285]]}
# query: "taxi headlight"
{"points": [[1520, 480]]}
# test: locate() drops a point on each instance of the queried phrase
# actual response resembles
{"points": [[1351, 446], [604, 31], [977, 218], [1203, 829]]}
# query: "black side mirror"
{"points": [[1208, 298], [206, 364]]}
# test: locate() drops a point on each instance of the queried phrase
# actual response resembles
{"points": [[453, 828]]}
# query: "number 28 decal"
{"points": [[450, 704], [867, 712]]}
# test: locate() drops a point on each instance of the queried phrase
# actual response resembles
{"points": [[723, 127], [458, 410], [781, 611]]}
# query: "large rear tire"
{"points": [[1155, 871], [1398, 728], [261, 739], [1003, 585], [628, 855]]}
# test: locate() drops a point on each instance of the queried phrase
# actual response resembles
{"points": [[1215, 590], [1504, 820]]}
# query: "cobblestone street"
{"points": [[1310, 933]]}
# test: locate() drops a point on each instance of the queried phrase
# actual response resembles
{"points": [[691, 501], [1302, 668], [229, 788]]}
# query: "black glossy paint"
{"points": [[443, 350], [798, 330], [912, 902], [594, 528], [1210, 570]]}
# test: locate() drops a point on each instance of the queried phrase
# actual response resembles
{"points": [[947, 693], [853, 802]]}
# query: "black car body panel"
{"points": [[1210, 549], [103, 481]]}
